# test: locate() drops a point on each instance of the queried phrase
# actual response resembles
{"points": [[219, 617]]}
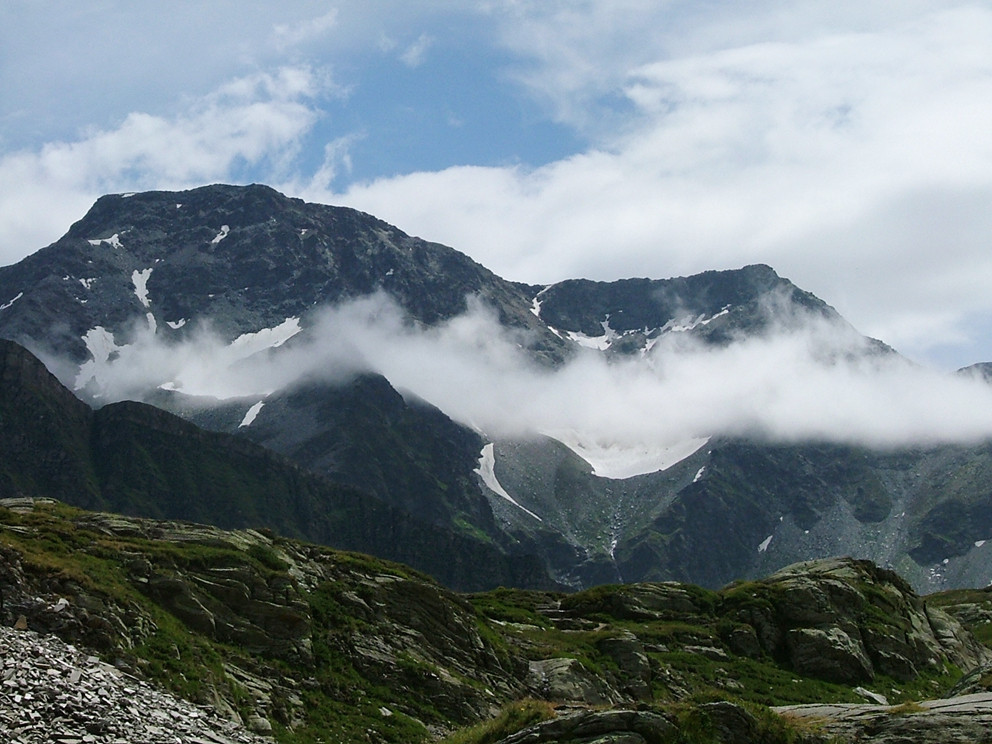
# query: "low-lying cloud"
{"points": [[814, 380]]}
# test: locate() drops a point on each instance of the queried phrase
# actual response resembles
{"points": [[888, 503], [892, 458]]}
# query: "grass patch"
{"points": [[511, 719], [906, 709]]}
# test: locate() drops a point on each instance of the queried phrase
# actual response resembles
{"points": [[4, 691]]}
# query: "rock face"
{"points": [[847, 620], [247, 257], [964, 719]]}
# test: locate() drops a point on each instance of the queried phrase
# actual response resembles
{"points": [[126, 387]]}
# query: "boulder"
{"points": [[599, 727], [830, 654], [567, 681]]}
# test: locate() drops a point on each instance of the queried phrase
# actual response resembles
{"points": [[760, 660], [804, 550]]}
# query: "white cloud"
{"points": [[288, 35], [805, 380], [413, 55]]}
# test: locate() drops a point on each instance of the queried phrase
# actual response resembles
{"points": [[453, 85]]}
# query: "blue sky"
{"points": [[847, 144]]}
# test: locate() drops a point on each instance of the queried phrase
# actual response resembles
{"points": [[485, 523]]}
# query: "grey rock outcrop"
{"points": [[965, 719], [567, 681], [602, 727], [846, 620]]}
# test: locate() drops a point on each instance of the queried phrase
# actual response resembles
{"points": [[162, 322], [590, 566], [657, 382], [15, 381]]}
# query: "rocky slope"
{"points": [[52, 691], [305, 643], [247, 258]]}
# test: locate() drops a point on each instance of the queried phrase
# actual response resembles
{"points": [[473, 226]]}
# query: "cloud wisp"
{"points": [[802, 381]]}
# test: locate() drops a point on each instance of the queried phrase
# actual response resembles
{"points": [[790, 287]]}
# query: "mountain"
{"points": [[133, 458], [332, 338], [305, 643], [247, 258]]}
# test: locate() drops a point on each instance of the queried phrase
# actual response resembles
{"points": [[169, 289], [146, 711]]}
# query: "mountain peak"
{"points": [[243, 258]]}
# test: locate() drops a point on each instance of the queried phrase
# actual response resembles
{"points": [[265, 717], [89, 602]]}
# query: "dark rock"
{"points": [[829, 654], [603, 727]]}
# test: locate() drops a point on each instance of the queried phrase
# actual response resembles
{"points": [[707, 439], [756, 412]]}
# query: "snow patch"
{"points": [[87, 283], [535, 308], [699, 474], [267, 338], [600, 343], [140, 281], [224, 230], [765, 543], [625, 460], [979, 543], [100, 344], [8, 304], [487, 471], [176, 324], [152, 324], [688, 323], [251, 414], [114, 241]]}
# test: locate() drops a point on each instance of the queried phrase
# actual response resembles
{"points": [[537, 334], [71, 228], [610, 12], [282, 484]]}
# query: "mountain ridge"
{"points": [[137, 459], [143, 272]]}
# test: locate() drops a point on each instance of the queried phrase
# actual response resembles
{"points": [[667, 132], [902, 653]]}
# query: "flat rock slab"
{"points": [[956, 720]]}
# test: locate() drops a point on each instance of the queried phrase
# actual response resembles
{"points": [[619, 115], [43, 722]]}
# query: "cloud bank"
{"points": [[801, 381]]}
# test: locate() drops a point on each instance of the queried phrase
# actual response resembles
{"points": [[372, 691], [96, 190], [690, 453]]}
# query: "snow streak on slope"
{"points": [[625, 460], [487, 471], [114, 241], [251, 414], [140, 281], [6, 305], [224, 230], [267, 338]]}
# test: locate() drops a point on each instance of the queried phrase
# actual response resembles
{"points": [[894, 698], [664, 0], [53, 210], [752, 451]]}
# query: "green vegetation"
{"points": [[512, 718], [356, 648]]}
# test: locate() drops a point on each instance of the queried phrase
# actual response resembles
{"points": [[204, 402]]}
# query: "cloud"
{"points": [[844, 143], [289, 35], [246, 122], [806, 379], [413, 55]]}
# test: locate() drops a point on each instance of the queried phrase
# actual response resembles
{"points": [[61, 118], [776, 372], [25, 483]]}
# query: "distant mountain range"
{"points": [[214, 304]]}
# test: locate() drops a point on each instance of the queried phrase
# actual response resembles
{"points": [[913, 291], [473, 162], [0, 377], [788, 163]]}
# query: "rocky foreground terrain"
{"points": [[195, 634], [53, 692]]}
